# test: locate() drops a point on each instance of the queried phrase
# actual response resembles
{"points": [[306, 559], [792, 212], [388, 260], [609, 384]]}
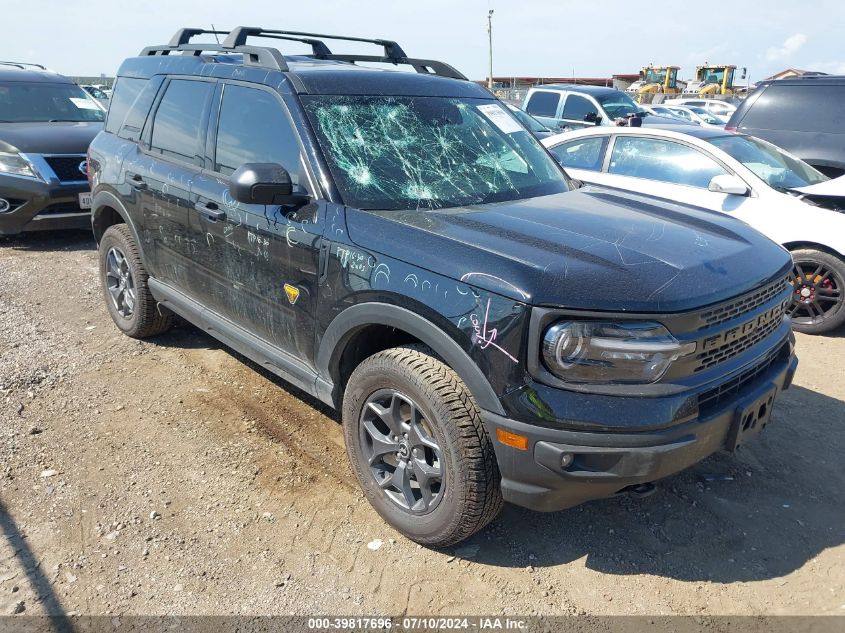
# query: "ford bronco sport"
{"points": [[397, 245]]}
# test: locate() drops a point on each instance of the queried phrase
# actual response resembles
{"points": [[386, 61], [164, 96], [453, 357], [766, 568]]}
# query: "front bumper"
{"points": [[605, 463], [35, 205]]}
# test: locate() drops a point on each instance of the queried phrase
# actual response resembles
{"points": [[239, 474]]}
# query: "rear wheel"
{"points": [[128, 299], [818, 291], [418, 448]]}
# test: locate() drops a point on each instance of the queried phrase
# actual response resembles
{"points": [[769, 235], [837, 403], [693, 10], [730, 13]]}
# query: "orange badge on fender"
{"points": [[292, 292]]}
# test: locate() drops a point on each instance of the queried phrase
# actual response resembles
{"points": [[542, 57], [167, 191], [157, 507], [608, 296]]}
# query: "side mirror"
{"points": [[263, 183], [725, 183], [592, 117]]}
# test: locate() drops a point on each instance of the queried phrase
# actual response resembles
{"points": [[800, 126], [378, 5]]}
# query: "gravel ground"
{"points": [[173, 477]]}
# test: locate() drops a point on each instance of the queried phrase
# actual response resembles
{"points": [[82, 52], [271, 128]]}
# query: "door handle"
{"points": [[137, 183], [210, 210]]}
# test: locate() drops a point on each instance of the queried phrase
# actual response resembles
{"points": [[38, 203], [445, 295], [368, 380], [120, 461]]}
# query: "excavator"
{"points": [[711, 81], [655, 80]]}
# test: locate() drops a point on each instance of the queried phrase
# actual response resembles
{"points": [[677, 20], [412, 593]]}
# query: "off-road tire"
{"points": [[147, 318], [836, 266], [472, 496]]}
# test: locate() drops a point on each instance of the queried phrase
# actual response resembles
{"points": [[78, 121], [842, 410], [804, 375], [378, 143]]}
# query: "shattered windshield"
{"points": [[429, 152]]}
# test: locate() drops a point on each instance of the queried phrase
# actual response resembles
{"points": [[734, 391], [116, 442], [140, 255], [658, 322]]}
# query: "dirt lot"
{"points": [[172, 477]]}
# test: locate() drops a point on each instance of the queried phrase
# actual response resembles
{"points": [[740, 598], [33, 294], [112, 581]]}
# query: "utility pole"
{"points": [[490, 47]]}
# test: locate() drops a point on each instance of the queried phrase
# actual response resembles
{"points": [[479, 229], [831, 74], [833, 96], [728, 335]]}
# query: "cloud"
{"points": [[790, 45]]}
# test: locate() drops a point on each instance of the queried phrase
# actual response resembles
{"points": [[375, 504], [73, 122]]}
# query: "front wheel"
{"points": [[418, 448], [818, 284]]}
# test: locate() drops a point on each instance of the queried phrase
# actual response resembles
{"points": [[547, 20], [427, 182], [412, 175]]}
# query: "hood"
{"points": [[48, 138], [832, 187], [592, 249], [829, 194]]}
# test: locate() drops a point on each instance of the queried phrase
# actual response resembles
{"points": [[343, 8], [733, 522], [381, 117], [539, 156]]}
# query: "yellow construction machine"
{"points": [[655, 80], [711, 81]]}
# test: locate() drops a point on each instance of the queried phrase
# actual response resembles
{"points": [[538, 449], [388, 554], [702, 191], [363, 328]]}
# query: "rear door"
{"points": [[261, 261], [172, 157]]}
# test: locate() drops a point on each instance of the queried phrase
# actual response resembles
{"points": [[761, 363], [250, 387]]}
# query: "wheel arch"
{"points": [[355, 320], [792, 246], [107, 209]]}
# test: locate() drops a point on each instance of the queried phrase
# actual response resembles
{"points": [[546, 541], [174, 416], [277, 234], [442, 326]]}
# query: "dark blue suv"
{"points": [[398, 245]]}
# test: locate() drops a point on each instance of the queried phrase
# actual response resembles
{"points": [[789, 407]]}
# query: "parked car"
{"points": [[573, 106], [665, 111], [399, 246], [531, 124], [803, 115], [98, 95], [46, 124], [716, 106], [698, 116], [746, 177]]}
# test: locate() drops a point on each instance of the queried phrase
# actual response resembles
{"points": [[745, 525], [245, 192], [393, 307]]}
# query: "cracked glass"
{"points": [[429, 152]]}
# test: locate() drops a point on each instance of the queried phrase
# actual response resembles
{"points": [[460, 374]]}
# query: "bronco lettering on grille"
{"points": [[728, 336]]}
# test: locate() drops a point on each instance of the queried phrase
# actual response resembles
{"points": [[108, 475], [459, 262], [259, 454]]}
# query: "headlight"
{"points": [[16, 165], [611, 352]]}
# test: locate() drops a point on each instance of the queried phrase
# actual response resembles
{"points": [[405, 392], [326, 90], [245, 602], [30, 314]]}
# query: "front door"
{"points": [[262, 260]]}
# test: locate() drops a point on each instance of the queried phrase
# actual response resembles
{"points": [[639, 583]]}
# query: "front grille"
{"points": [[709, 358], [736, 308], [713, 398], [66, 168]]}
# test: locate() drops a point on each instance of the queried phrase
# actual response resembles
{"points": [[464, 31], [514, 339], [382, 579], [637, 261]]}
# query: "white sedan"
{"points": [[779, 195]]}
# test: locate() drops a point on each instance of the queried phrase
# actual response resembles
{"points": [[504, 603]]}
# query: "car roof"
{"points": [[10, 73], [584, 88], [668, 131], [804, 80]]}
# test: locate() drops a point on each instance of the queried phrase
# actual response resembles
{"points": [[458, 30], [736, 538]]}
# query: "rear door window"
{"points": [[665, 161], [799, 107], [543, 103], [179, 120], [582, 153], [577, 107]]}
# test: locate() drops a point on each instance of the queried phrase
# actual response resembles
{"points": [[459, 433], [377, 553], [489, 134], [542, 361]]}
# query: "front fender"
{"points": [[352, 319]]}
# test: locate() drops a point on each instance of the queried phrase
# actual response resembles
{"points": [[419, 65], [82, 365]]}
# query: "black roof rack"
{"points": [[262, 56], [268, 57], [393, 53], [23, 65]]}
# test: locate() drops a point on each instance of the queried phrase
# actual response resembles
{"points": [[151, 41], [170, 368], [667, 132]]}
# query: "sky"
{"points": [[530, 37]]}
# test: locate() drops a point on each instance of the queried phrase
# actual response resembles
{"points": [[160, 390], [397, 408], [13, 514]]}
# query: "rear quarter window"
{"points": [[126, 90], [797, 107]]}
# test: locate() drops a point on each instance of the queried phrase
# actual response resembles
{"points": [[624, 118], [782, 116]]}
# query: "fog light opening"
{"points": [[5, 205]]}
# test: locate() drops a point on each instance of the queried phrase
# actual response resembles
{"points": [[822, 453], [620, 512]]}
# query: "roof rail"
{"points": [[23, 65], [393, 53]]}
